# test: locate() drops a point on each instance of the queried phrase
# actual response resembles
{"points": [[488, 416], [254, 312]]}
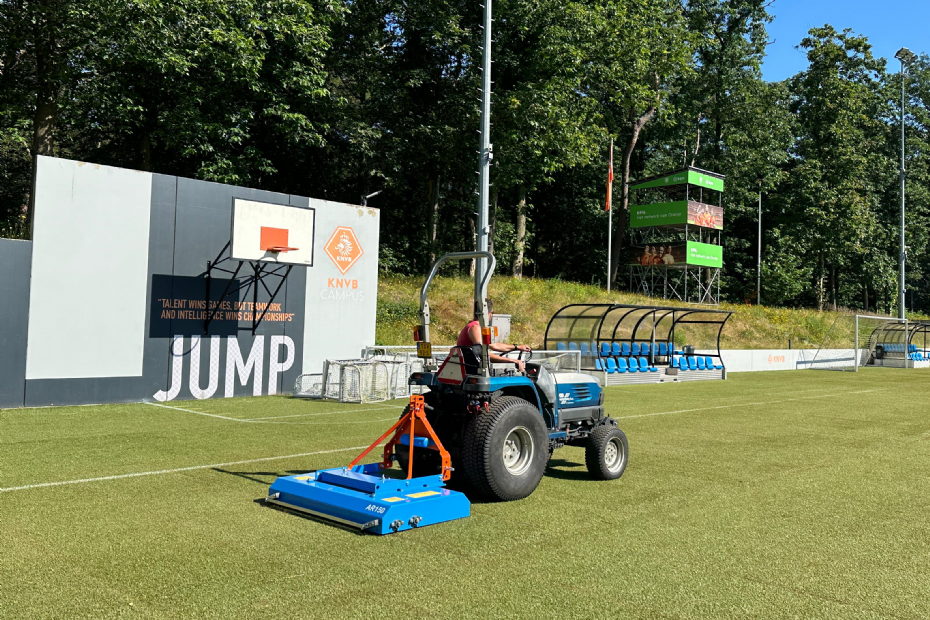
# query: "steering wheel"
{"points": [[524, 356]]}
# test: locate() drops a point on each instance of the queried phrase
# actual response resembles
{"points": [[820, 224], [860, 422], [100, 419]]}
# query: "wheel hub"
{"points": [[613, 455], [518, 450]]}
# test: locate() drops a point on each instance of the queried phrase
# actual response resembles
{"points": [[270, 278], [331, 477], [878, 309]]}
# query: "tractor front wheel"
{"points": [[506, 449], [606, 453]]}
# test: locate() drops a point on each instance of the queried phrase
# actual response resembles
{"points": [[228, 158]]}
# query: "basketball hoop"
{"points": [[274, 240]]}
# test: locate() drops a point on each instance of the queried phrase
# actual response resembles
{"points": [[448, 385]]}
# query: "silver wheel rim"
{"points": [[518, 450], [614, 456]]}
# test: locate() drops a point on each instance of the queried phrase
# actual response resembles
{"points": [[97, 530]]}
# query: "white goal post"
{"points": [[867, 340]]}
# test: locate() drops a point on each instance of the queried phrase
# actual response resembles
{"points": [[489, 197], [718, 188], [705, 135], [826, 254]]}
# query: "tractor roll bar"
{"points": [[481, 294]]}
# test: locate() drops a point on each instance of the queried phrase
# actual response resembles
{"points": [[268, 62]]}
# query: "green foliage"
{"points": [[336, 99]]}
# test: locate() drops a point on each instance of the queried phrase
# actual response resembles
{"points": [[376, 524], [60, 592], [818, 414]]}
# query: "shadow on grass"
{"points": [[269, 476], [559, 468]]}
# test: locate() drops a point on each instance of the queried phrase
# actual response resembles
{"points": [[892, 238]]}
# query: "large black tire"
{"points": [[606, 453], [505, 450]]}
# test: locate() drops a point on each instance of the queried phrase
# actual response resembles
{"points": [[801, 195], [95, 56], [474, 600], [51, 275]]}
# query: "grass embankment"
{"points": [[770, 495], [533, 302]]}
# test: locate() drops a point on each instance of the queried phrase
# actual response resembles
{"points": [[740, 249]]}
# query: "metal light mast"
{"points": [[485, 154], [906, 57]]}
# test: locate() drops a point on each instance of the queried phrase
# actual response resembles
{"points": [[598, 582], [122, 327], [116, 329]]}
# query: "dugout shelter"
{"points": [[900, 344], [624, 343]]}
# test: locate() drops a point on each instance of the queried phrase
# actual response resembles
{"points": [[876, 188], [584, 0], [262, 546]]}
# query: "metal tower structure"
{"points": [[676, 224]]}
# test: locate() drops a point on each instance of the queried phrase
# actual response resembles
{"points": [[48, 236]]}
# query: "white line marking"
{"points": [[212, 415], [271, 420], [769, 402], [173, 471]]}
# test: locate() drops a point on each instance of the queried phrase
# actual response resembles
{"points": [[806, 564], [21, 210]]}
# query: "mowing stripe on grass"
{"points": [[176, 470], [271, 420], [767, 402]]}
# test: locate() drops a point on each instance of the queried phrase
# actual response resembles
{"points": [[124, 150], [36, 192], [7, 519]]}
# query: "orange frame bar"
{"points": [[416, 412]]}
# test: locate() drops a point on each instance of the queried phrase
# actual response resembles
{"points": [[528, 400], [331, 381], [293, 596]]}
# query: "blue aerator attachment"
{"points": [[363, 497]]}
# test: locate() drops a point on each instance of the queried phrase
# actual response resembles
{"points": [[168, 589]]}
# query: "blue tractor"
{"points": [[493, 428], [500, 427]]}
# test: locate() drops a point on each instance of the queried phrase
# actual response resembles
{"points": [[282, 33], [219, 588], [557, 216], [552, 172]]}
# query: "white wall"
{"points": [[341, 307], [89, 271], [750, 360]]}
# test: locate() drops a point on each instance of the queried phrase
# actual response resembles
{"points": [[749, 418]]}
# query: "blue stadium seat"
{"points": [[572, 346], [597, 364], [605, 349], [700, 363], [560, 346], [622, 365], [692, 363], [634, 348], [585, 349], [610, 365], [674, 363], [625, 349], [634, 365], [644, 364], [709, 362], [615, 349], [663, 349]]}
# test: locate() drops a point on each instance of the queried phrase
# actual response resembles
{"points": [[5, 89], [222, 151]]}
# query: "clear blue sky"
{"points": [[889, 25]]}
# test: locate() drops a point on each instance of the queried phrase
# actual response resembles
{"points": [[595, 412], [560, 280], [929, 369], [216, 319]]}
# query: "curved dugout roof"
{"points": [[914, 332], [627, 323]]}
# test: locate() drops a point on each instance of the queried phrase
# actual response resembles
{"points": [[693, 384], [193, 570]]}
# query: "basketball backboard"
{"points": [[271, 233]]}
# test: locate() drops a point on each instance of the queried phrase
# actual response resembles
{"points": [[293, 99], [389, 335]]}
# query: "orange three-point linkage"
{"points": [[414, 424]]}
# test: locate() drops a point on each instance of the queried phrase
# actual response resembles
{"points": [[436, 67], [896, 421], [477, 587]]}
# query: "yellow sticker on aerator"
{"points": [[423, 494], [393, 499]]}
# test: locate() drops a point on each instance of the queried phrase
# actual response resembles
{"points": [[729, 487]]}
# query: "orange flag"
{"points": [[610, 178]]}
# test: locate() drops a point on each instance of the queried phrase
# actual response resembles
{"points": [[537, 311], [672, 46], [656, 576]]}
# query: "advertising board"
{"points": [[677, 213], [679, 253]]}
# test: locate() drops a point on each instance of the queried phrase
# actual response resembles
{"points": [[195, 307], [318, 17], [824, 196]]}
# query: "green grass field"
{"points": [[771, 495]]}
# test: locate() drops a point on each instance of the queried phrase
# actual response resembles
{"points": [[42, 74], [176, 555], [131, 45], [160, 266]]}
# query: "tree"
{"points": [[636, 50], [43, 44], [840, 165]]}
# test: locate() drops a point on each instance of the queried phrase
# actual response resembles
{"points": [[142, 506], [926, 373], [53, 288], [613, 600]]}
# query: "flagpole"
{"points": [[610, 213]]}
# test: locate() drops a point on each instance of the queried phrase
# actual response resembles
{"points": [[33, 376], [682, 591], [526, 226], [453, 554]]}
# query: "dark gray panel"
{"points": [[157, 367], [202, 229], [47, 392], [295, 301], [15, 266]]}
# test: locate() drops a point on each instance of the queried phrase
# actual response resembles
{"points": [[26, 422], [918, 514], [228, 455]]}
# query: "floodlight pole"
{"points": [[485, 152], [905, 56], [759, 253]]}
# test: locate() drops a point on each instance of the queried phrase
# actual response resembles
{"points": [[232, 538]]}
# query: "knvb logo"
{"points": [[343, 248]]}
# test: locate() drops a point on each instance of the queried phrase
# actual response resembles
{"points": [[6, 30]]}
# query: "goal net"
{"points": [[860, 340], [383, 373], [348, 381]]}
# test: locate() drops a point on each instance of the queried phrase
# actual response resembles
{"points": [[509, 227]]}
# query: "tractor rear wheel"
{"points": [[506, 449], [606, 453]]}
